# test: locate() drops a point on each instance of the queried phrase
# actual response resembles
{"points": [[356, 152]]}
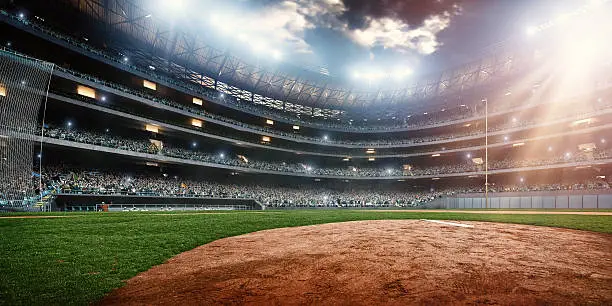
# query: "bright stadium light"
{"points": [[277, 55], [194, 144], [221, 155], [258, 46], [325, 137], [69, 123], [531, 30], [103, 98], [469, 155], [401, 73]]}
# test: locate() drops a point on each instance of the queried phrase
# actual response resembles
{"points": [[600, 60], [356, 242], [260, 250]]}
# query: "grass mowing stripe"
{"points": [[77, 260]]}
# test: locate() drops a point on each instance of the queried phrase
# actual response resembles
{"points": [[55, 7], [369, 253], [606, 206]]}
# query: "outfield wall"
{"points": [[69, 202], [546, 200]]}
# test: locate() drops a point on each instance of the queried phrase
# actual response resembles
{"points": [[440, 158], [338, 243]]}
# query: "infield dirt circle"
{"points": [[385, 262]]}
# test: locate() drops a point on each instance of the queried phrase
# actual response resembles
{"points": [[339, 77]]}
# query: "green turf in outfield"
{"points": [[76, 260]]}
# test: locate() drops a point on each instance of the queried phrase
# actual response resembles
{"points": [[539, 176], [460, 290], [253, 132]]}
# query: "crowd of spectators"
{"points": [[269, 194], [508, 123], [94, 182], [109, 140], [393, 123]]}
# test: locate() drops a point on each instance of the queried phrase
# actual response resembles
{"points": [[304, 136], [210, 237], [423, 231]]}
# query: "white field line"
{"points": [[449, 223]]}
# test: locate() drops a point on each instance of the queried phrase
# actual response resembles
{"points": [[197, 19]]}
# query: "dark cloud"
{"points": [[411, 12]]}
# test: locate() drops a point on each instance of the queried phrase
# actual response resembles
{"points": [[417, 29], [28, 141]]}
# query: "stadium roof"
{"points": [[186, 53]]}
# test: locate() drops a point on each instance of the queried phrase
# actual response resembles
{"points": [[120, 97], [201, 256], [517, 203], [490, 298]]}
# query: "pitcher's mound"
{"points": [[385, 262]]}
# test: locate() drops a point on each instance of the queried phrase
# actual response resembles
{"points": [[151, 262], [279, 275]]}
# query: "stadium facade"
{"points": [[137, 111]]}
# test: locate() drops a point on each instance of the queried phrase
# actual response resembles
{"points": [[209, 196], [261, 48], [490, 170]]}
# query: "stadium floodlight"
{"points": [[222, 95], [389, 171], [221, 155], [277, 55], [506, 138], [194, 144], [514, 119], [258, 46], [603, 140], [39, 155], [402, 73], [21, 15], [309, 168], [531, 30], [522, 180], [550, 149], [469, 155], [69, 123], [325, 137], [103, 98], [125, 59], [8, 43], [107, 130]]}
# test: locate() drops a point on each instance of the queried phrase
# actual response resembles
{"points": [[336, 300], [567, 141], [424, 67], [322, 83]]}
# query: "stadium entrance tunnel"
{"points": [[84, 202], [388, 262]]}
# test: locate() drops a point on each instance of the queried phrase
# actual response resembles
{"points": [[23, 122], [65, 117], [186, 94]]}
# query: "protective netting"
{"points": [[24, 84]]}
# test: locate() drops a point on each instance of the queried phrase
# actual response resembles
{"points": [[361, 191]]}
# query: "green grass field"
{"points": [[78, 259]]}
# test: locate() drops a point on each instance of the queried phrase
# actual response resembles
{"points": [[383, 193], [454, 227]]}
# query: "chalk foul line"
{"points": [[449, 223]]}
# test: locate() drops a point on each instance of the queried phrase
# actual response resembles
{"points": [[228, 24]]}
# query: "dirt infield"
{"points": [[385, 262]]}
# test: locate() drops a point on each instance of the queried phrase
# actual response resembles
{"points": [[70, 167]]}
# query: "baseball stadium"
{"points": [[306, 152]]}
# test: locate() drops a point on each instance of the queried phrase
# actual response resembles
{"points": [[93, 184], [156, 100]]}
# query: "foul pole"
{"points": [[486, 152]]}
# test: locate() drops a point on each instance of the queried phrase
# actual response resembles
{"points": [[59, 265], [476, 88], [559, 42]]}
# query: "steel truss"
{"points": [[183, 54]]}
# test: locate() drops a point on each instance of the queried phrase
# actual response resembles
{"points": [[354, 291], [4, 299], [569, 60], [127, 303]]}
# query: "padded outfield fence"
{"points": [[533, 200]]}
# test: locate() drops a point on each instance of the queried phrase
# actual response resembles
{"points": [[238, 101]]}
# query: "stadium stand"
{"points": [[428, 142]]}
